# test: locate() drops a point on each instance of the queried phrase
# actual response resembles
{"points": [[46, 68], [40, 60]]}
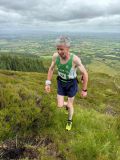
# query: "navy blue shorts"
{"points": [[68, 88]]}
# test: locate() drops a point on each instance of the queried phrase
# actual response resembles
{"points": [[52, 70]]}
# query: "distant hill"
{"points": [[32, 127]]}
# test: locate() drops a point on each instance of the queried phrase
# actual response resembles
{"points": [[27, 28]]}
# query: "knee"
{"points": [[60, 105], [69, 105]]}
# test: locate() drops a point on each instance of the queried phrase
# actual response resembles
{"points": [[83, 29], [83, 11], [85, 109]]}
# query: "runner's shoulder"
{"points": [[55, 55], [76, 59]]}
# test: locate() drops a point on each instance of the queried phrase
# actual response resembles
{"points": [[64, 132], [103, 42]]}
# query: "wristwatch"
{"points": [[84, 90]]}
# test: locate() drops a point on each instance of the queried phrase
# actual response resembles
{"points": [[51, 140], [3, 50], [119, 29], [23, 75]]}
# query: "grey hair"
{"points": [[63, 40]]}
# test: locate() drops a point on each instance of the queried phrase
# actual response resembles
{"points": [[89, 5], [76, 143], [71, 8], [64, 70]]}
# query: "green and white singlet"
{"points": [[66, 71]]}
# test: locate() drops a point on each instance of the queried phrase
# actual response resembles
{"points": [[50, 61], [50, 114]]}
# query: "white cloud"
{"points": [[57, 14]]}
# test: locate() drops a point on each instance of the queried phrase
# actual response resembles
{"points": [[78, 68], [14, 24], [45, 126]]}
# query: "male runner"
{"points": [[67, 64]]}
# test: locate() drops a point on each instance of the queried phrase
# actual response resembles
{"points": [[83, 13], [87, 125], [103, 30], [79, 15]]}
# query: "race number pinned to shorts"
{"points": [[62, 75]]}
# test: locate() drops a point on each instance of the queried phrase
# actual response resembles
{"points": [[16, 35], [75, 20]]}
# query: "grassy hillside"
{"points": [[32, 127], [102, 67]]}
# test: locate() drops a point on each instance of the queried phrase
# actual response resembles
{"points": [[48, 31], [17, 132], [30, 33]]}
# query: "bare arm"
{"points": [[50, 73], [51, 68], [83, 71]]}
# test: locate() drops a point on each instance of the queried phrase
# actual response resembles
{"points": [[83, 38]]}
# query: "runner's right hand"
{"points": [[47, 88]]}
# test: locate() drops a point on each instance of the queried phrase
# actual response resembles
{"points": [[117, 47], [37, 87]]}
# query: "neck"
{"points": [[66, 56]]}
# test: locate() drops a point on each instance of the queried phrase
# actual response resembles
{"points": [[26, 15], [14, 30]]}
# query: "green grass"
{"points": [[31, 114], [97, 66]]}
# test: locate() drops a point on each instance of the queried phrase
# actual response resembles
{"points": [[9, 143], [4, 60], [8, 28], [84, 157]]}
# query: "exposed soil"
{"points": [[9, 150]]}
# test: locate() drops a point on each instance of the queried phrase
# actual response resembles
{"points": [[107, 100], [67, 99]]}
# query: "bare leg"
{"points": [[70, 107], [60, 100]]}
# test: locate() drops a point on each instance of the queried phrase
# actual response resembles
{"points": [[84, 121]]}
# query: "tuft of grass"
{"points": [[29, 113]]}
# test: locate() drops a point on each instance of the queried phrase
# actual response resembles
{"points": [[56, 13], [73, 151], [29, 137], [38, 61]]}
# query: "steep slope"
{"points": [[32, 126]]}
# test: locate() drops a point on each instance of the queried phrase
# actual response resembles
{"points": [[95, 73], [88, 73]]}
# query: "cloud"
{"points": [[6, 17], [60, 13], [114, 7]]}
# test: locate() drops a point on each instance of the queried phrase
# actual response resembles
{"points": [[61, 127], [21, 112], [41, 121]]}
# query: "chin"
{"points": [[63, 56]]}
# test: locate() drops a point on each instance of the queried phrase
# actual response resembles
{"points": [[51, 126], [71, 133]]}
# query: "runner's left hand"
{"points": [[83, 94]]}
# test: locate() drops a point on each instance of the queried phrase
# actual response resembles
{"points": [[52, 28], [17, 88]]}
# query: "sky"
{"points": [[60, 15]]}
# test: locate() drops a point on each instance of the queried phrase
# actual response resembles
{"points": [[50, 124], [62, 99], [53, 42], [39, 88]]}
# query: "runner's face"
{"points": [[62, 51]]}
